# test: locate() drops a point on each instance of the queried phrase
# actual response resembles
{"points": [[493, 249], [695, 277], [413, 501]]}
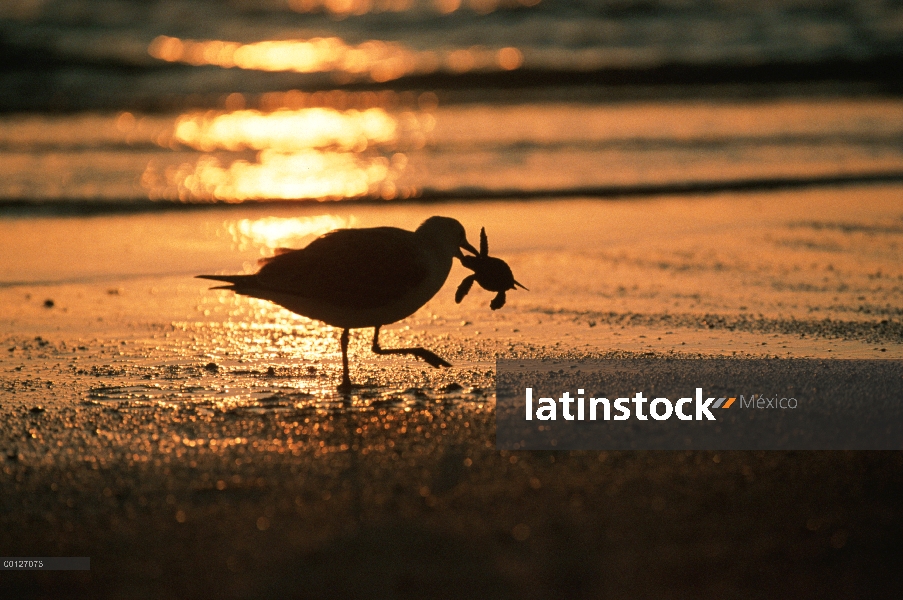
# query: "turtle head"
{"points": [[470, 262]]}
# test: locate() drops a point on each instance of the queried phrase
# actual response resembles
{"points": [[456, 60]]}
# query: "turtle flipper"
{"points": [[464, 288], [484, 243], [498, 301]]}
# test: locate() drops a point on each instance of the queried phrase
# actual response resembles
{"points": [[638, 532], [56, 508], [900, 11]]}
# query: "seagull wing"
{"points": [[357, 268]]}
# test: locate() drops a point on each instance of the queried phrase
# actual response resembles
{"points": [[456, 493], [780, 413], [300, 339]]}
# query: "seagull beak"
{"points": [[466, 245]]}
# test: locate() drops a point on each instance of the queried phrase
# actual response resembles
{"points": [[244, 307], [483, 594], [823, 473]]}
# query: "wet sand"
{"points": [[191, 443]]}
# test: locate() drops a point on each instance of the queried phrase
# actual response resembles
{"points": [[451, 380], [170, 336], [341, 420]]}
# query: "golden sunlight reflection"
{"points": [[380, 61], [287, 130], [301, 175], [271, 337], [269, 233], [344, 8], [305, 153]]}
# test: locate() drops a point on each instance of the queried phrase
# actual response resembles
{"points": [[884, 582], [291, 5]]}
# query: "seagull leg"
{"points": [[345, 386], [431, 358]]}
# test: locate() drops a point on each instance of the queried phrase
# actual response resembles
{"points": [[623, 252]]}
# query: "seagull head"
{"points": [[447, 233]]}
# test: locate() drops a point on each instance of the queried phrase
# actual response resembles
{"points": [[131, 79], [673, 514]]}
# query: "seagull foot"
{"points": [[431, 358], [346, 385]]}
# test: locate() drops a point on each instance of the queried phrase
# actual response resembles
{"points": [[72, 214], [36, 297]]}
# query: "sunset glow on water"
{"points": [[394, 146], [287, 130], [273, 175], [380, 61], [317, 153], [668, 182]]}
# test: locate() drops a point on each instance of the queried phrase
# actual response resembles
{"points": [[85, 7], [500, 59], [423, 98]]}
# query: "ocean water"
{"points": [[668, 178], [108, 161], [128, 104]]}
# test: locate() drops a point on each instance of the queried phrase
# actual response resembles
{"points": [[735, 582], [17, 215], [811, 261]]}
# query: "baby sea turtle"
{"points": [[493, 275]]}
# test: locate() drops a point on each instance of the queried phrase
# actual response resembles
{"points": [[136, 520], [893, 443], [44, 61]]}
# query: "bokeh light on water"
{"points": [[395, 145], [287, 130], [376, 60], [289, 153], [273, 175]]}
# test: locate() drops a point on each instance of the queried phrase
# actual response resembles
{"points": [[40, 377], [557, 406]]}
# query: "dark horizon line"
{"points": [[878, 74], [879, 67], [81, 208]]}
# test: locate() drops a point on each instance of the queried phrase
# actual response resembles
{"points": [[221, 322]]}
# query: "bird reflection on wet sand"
{"points": [[353, 278]]}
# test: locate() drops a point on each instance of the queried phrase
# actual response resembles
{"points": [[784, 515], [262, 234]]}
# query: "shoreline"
{"points": [[192, 444], [12, 207]]}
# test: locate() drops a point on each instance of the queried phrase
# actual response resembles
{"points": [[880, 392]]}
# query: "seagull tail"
{"points": [[234, 281]]}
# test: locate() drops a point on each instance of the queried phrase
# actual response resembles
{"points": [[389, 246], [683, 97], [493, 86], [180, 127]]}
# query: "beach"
{"points": [[718, 184], [192, 443]]}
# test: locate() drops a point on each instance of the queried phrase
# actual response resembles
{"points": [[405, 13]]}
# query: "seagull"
{"points": [[356, 278]]}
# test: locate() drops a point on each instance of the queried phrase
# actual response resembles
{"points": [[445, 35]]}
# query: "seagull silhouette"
{"points": [[354, 278]]}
